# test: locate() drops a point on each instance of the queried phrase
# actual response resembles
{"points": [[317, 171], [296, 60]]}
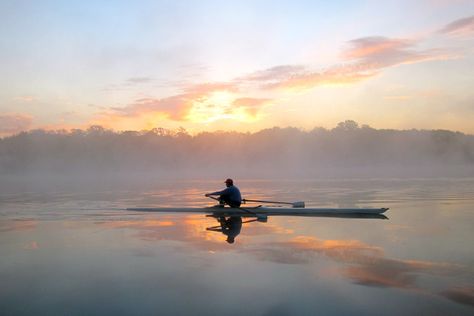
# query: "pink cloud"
{"points": [[175, 107], [381, 52], [275, 73], [376, 45], [14, 123], [461, 27], [364, 58]]}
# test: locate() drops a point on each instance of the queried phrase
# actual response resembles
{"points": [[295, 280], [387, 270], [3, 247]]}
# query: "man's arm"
{"points": [[217, 192]]}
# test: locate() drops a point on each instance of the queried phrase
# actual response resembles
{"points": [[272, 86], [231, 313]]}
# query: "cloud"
{"points": [[25, 98], [137, 80], [175, 107], [363, 58], [375, 45], [462, 27], [275, 73], [200, 102], [340, 74], [14, 123], [251, 106], [380, 52]]}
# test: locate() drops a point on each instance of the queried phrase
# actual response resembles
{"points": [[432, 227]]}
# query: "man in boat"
{"points": [[230, 195]]}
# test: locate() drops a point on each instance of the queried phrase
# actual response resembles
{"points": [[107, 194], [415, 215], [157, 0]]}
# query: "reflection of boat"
{"points": [[269, 211]]}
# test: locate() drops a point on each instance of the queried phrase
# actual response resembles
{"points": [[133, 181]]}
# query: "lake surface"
{"points": [[75, 251]]}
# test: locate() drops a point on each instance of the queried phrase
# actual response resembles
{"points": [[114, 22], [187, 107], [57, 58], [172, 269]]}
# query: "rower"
{"points": [[230, 195]]}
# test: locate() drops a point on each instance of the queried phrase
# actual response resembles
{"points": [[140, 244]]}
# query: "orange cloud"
{"points": [[251, 106], [14, 123], [198, 103], [25, 98]]}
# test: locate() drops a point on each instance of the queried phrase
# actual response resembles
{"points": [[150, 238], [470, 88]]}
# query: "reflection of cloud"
{"points": [[461, 27], [148, 224], [190, 229], [366, 265], [17, 225], [383, 272], [14, 123], [32, 246], [463, 295]]}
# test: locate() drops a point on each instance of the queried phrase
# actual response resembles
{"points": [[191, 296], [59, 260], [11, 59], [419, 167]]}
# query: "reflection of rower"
{"points": [[230, 227]]}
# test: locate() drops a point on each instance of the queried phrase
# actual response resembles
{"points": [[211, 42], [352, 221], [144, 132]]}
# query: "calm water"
{"points": [[77, 252]]}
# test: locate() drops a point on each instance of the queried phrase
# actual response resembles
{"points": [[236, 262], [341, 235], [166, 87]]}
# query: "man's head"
{"points": [[229, 182], [230, 239]]}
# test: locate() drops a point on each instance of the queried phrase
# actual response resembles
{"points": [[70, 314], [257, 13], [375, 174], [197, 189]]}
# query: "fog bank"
{"points": [[348, 150]]}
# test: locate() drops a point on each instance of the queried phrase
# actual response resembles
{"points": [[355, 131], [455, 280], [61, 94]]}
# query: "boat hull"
{"points": [[263, 210]]}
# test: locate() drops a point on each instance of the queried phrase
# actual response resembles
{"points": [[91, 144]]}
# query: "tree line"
{"points": [[348, 149]]}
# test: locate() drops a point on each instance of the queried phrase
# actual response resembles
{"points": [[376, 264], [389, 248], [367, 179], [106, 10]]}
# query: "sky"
{"points": [[236, 65]]}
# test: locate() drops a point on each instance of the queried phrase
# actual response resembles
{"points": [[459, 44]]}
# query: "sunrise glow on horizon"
{"points": [[243, 66]]}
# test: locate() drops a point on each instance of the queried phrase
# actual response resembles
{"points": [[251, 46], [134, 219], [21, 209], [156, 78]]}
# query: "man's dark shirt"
{"points": [[231, 193]]}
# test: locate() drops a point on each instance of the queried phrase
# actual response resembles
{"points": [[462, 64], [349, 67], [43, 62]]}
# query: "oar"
{"points": [[298, 204], [260, 217]]}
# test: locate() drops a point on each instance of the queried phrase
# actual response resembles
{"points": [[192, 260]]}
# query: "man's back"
{"points": [[233, 193]]}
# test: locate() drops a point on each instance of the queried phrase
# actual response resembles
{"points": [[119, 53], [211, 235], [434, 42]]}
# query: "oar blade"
{"points": [[299, 204]]}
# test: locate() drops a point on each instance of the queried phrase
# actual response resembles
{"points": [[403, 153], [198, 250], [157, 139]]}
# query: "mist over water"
{"points": [[347, 151]]}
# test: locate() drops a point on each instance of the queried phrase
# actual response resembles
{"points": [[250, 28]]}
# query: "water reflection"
{"points": [[358, 262], [230, 227]]}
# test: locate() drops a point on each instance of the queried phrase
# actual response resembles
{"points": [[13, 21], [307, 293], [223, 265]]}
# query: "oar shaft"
{"points": [[261, 201]]}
